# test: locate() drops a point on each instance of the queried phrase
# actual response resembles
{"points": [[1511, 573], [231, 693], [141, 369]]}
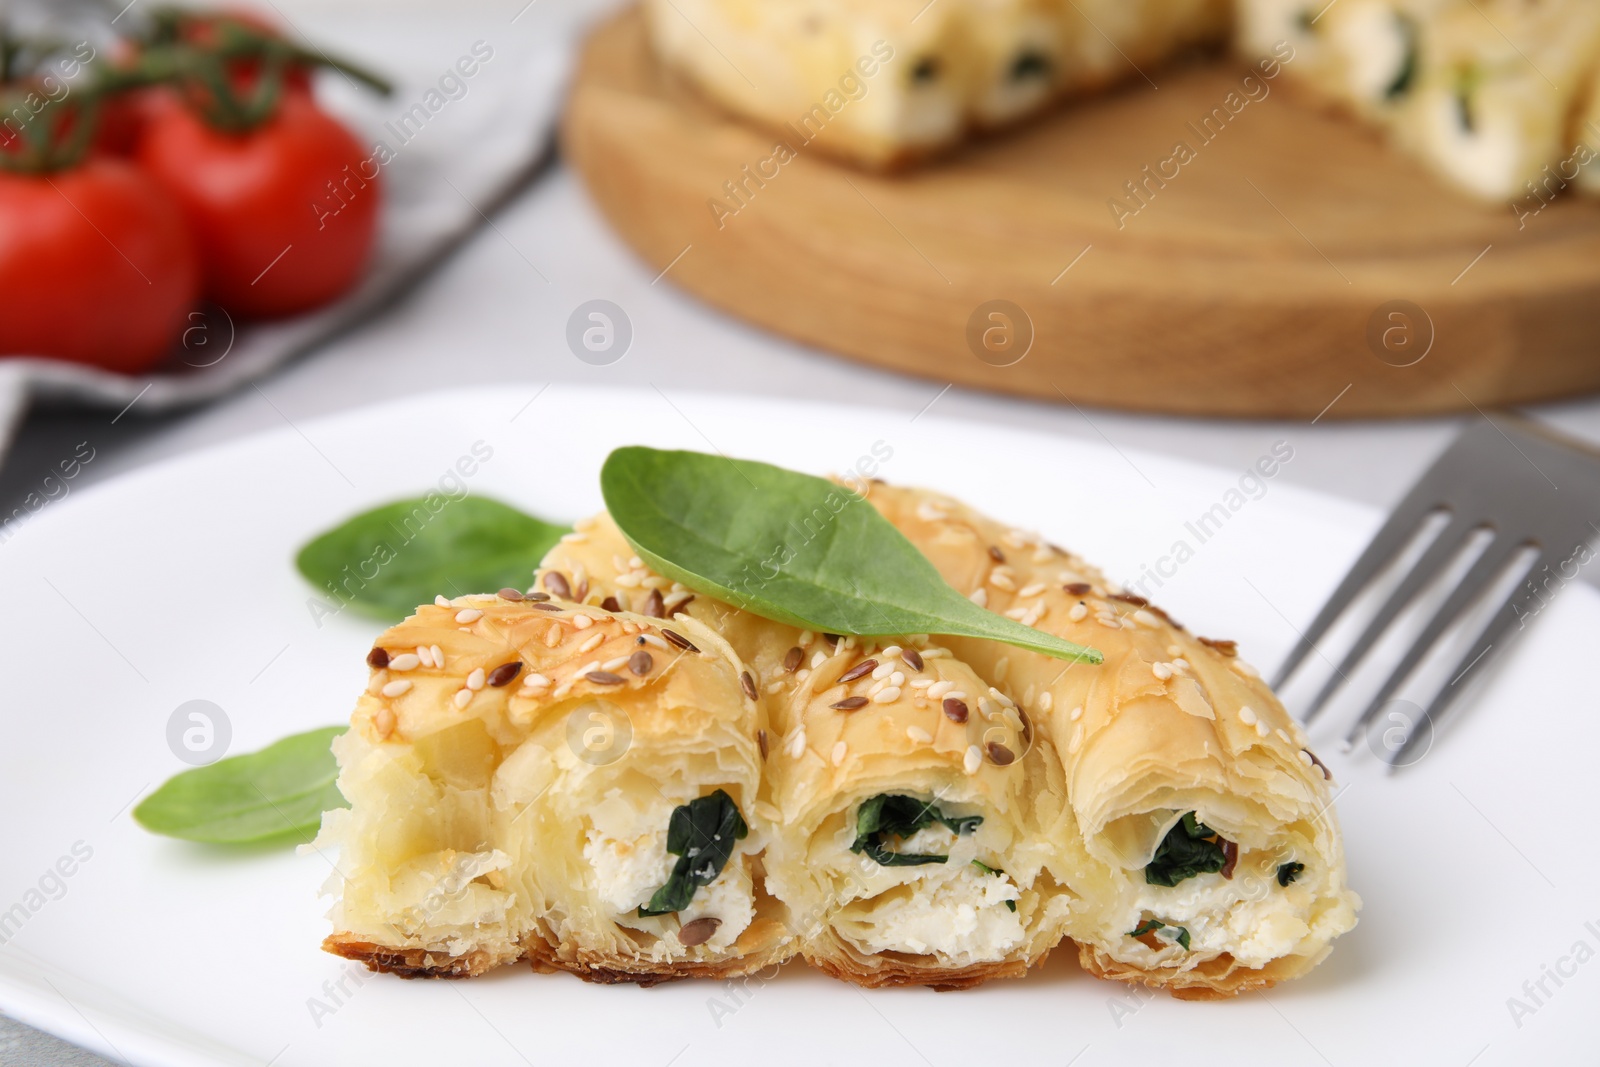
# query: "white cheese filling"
{"points": [[1251, 917], [953, 910], [626, 848]]}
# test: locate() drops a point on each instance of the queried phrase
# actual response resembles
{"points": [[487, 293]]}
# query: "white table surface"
{"points": [[498, 313]]}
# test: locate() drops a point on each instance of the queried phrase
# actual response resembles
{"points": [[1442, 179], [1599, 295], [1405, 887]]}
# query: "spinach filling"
{"points": [[1407, 75], [1150, 926], [1190, 848], [1031, 64], [1288, 872], [702, 834], [888, 816], [986, 869]]}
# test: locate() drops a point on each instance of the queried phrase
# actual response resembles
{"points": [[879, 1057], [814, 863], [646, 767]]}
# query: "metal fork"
{"points": [[1530, 489]]}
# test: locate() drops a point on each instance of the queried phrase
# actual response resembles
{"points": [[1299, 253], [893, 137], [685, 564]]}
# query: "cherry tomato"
{"points": [[96, 266], [285, 214]]}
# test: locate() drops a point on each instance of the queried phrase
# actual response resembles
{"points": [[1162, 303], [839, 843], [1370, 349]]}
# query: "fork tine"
{"points": [[1386, 544], [1483, 652], [1443, 549], [1470, 588]]}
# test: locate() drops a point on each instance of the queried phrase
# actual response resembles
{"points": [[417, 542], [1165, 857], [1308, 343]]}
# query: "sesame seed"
{"points": [[425, 656], [1001, 697], [955, 710], [463, 697], [748, 684], [891, 651], [1285, 738], [897, 678], [406, 661], [797, 745], [1262, 729], [818, 659], [1031, 590], [603, 677], [805, 639], [980, 597], [1146, 619], [383, 722], [509, 593], [1076, 741], [1076, 714], [956, 694], [938, 689], [652, 639], [882, 670], [927, 512], [476, 679], [1162, 671], [1247, 716], [556, 582], [888, 696], [396, 687], [849, 704], [553, 636], [989, 708], [840, 751], [1001, 578], [865, 667], [972, 760], [640, 663], [1305, 757], [592, 642], [1045, 700], [1078, 612], [581, 622], [1174, 651], [917, 733], [438, 655], [440, 602], [535, 681], [1000, 755], [614, 664], [377, 659], [1180, 664]]}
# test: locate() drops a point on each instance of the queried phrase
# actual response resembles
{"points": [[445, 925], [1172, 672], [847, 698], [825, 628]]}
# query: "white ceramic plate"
{"points": [[1477, 865]]}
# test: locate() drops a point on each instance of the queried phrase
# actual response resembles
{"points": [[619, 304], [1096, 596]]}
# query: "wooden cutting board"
{"points": [[1293, 267]]}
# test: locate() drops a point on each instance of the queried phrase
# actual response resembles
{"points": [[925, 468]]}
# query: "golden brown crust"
{"points": [[414, 962], [763, 946], [1218, 979]]}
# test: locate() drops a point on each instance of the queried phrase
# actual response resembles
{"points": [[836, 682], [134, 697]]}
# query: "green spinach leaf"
{"points": [[1190, 848], [276, 795], [792, 548], [1288, 872], [1153, 925], [702, 834], [386, 561], [889, 815], [986, 869]]}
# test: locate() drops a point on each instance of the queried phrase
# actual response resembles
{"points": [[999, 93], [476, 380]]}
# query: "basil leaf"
{"points": [[386, 561], [889, 815], [702, 834], [1190, 848], [276, 795], [1288, 872], [792, 548]]}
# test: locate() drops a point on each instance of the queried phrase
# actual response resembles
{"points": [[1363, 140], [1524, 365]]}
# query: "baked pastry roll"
{"points": [[883, 82], [913, 814], [562, 783], [1214, 860]]}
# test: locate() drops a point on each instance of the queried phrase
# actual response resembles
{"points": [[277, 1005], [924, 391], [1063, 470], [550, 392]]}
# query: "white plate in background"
{"points": [[176, 583]]}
